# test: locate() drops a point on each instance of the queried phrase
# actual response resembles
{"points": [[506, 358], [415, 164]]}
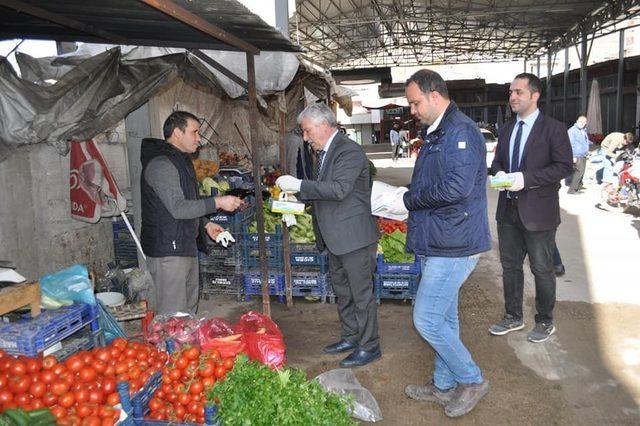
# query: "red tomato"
{"points": [[100, 366], [5, 363], [182, 362], [58, 412], [81, 395], [18, 368], [49, 361], [5, 397], [208, 382], [49, 399], [59, 387], [74, 363], [37, 404], [192, 353], [37, 389], [92, 421], [102, 354], [220, 372], [113, 398], [184, 399], [47, 376], [87, 374], [19, 384], [33, 365], [83, 410], [3, 380], [66, 400], [119, 343], [96, 396], [58, 369], [196, 388], [109, 385], [228, 363]]}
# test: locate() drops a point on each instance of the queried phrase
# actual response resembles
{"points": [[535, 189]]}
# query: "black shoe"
{"points": [[360, 357], [559, 270], [341, 346]]}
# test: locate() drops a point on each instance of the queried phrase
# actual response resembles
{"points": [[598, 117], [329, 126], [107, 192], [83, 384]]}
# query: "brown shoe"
{"points": [[429, 393], [465, 398]]}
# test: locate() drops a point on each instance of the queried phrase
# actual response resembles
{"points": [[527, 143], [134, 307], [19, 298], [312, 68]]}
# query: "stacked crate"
{"points": [[309, 271], [124, 246], [252, 283], [221, 268], [396, 280]]}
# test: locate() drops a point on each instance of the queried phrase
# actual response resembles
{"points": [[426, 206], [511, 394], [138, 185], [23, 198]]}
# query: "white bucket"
{"points": [[111, 298]]}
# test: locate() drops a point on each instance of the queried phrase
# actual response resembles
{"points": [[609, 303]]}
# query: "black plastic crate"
{"points": [[231, 257], [309, 284], [236, 220], [396, 286], [125, 249], [388, 268], [223, 281]]}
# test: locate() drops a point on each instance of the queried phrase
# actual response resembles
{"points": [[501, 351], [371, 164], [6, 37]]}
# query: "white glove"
{"points": [[288, 183], [289, 219], [499, 175], [225, 238], [396, 206], [518, 182]]}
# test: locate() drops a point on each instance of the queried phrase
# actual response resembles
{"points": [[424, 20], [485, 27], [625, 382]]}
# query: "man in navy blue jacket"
{"points": [[448, 229]]}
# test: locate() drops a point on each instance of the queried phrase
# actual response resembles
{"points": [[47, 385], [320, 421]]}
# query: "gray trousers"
{"points": [[352, 282], [175, 284]]}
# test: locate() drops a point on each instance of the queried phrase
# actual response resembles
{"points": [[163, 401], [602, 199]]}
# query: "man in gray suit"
{"points": [[343, 224]]}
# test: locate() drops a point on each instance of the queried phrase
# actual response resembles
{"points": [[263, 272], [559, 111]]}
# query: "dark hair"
{"points": [[429, 81], [177, 119], [535, 85]]}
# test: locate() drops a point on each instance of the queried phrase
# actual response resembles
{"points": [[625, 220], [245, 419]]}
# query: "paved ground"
{"points": [[588, 373]]}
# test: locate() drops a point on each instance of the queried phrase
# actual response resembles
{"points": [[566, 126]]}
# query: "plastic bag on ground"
{"points": [[180, 327], [217, 334], [263, 339], [342, 381], [70, 284]]}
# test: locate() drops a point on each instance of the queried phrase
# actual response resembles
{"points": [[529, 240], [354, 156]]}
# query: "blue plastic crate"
{"points": [[309, 258], [396, 286], [85, 341], [397, 268], [253, 285], [309, 284], [31, 336], [274, 250], [234, 221]]}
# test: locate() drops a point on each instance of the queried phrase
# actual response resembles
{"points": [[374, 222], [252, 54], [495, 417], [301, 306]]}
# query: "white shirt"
{"points": [[436, 123], [526, 130], [327, 146]]}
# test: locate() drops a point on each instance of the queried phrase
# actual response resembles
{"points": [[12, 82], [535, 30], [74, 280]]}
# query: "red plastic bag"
{"points": [[216, 333], [263, 339]]}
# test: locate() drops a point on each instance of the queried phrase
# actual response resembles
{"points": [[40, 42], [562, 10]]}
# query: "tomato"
{"points": [[208, 382], [5, 396], [83, 410], [19, 384], [220, 372], [96, 396], [66, 400], [37, 404], [47, 376], [102, 354], [100, 366], [179, 411], [2, 353], [49, 399], [194, 408], [110, 371], [113, 398], [228, 363], [33, 365], [18, 368], [58, 412], [81, 395], [92, 421], [48, 362], [22, 399], [191, 353], [3, 380], [119, 343], [172, 397], [114, 353], [105, 411], [58, 369], [182, 362], [74, 363], [184, 399], [59, 387], [134, 372], [215, 355], [174, 374], [196, 388], [5, 363], [109, 385], [87, 374], [121, 368], [37, 389]]}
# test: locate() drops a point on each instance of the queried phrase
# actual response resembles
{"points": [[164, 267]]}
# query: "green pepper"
{"points": [[18, 416]]}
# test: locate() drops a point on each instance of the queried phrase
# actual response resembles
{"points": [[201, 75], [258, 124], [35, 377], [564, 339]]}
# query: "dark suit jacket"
{"points": [[546, 160], [341, 199]]}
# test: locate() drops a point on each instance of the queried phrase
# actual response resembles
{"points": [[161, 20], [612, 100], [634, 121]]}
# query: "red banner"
{"points": [[94, 193]]}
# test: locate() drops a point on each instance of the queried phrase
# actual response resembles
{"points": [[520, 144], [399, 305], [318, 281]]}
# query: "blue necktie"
{"points": [[514, 166]]}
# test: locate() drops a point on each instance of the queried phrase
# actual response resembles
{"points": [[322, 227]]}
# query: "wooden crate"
{"points": [[19, 295]]}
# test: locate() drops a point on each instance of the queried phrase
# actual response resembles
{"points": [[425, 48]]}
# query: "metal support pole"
{"points": [[584, 58], [525, 65], [256, 159], [538, 67], [548, 107], [286, 243], [565, 80], [620, 85]]}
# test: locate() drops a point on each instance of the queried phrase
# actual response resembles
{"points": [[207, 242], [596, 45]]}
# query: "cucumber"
{"points": [[49, 302]]}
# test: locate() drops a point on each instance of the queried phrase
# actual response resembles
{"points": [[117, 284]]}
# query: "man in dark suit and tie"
{"points": [[343, 224], [534, 153]]}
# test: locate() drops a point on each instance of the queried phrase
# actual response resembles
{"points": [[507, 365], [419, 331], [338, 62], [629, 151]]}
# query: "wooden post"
{"points": [[255, 158]]}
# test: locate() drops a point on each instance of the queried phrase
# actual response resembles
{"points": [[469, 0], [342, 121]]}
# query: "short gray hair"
{"points": [[318, 113]]}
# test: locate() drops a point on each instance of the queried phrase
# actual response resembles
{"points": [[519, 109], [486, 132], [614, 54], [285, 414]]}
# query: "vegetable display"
{"points": [[204, 168], [282, 397], [387, 226], [393, 247]]}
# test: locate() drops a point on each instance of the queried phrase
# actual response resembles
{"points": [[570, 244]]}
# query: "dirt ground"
{"points": [[586, 374], [578, 384]]}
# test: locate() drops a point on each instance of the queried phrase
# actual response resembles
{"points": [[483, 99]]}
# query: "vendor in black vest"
{"points": [[171, 212]]}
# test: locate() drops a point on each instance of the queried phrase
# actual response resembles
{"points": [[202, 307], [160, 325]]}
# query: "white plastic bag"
{"points": [[382, 194], [343, 382]]}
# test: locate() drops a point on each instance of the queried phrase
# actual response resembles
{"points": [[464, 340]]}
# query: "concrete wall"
{"points": [[37, 232]]}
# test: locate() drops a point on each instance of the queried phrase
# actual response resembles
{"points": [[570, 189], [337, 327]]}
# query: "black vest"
{"points": [[163, 235]]}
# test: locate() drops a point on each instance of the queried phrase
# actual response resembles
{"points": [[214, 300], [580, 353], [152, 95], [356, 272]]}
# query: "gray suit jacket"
{"points": [[341, 199]]}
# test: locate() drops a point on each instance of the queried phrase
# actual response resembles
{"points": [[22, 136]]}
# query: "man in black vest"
{"points": [[171, 212]]}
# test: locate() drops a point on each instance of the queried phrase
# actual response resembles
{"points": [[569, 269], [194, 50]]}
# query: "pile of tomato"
{"points": [[387, 226], [186, 378], [81, 390]]}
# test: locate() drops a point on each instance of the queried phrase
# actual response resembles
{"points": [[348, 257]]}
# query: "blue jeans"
{"points": [[435, 316]]}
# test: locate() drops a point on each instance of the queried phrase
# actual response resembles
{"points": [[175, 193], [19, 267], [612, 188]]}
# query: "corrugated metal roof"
{"points": [[133, 22]]}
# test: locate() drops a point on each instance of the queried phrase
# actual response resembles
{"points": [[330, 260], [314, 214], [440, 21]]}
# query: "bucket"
{"points": [[111, 298]]}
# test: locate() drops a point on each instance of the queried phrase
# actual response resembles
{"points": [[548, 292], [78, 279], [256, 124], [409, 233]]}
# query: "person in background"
{"points": [[448, 228], [340, 194], [580, 148], [534, 153], [610, 146], [171, 212], [394, 138]]}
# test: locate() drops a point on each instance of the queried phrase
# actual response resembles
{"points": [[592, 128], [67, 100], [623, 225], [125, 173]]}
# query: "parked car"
{"points": [[491, 141]]}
